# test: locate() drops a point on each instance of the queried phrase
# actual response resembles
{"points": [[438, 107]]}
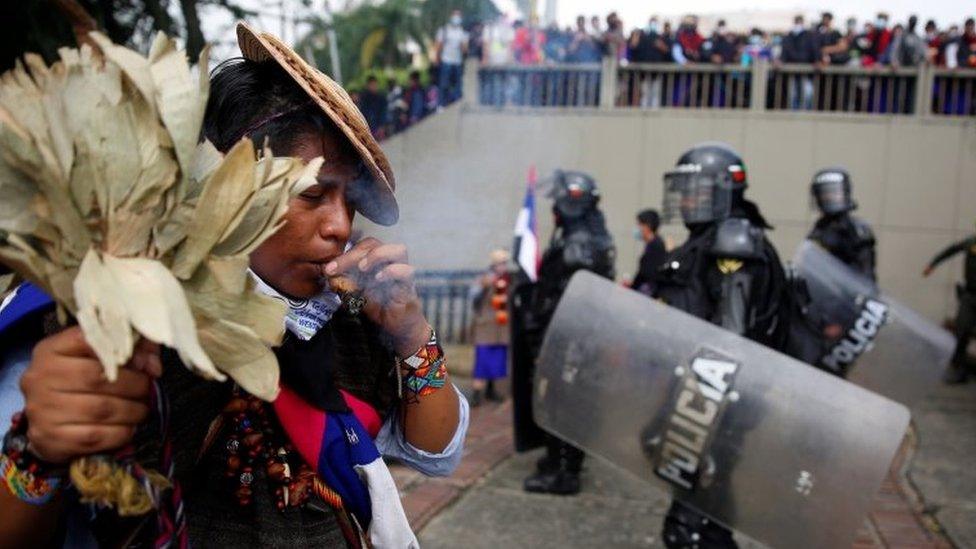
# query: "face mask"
{"points": [[755, 40], [797, 29], [455, 19], [652, 27], [638, 236], [881, 23]]}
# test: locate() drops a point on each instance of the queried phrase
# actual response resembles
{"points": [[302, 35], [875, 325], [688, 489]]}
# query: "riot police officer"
{"points": [[727, 272], [847, 237], [580, 241], [966, 316]]}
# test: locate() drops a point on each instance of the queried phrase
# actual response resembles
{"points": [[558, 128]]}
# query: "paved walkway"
{"points": [[927, 501]]}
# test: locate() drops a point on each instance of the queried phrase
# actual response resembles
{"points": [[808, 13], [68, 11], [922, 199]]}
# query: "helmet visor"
{"points": [[830, 197], [696, 197]]}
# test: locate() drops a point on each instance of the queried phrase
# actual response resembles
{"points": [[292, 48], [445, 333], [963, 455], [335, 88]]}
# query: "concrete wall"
{"points": [[461, 179]]}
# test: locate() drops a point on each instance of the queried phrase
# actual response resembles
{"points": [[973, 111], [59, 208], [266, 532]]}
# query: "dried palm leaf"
{"points": [[109, 204]]}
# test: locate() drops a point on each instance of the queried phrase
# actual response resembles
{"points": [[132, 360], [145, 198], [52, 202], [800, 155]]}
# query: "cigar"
{"points": [[350, 294]]}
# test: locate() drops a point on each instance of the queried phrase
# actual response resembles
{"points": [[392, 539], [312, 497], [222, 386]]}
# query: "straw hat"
{"points": [[381, 207]]}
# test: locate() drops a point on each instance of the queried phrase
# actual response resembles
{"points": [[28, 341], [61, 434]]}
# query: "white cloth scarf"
{"points": [[389, 528]]}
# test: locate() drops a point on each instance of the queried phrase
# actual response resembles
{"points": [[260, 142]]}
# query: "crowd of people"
{"points": [[504, 42], [868, 43], [403, 105], [399, 106]]}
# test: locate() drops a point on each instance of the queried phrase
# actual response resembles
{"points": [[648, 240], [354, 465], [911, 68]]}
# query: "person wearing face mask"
{"points": [[720, 46], [451, 46], [880, 38], [688, 42], [800, 47], [686, 49], [647, 45], [655, 251], [756, 48]]}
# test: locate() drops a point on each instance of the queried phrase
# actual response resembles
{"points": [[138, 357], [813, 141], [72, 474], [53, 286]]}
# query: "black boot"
{"points": [[476, 398], [558, 472], [561, 482], [685, 528], [546, 464]]}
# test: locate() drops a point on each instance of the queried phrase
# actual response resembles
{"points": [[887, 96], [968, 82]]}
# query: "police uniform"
{"points": [[580, 241], [966, 315], [727, 272], [845, 236]]}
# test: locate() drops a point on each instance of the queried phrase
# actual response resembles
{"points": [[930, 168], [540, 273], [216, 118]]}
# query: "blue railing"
{"points": [[916, 91], [446, 298]]}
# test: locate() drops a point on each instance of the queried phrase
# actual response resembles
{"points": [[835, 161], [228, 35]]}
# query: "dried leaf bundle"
{"points": [[110, 205]]}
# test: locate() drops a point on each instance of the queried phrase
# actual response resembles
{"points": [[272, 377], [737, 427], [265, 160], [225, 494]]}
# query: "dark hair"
{"points": [[260, 101], [370, 79], [827, 15], [969, 22], [649, 218], [912, 23]]}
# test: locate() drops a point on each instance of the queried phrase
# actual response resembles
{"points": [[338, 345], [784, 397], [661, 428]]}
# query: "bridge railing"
{"points": [[447, 304], [918, 91], [662, 85], [576, 85], [953, 92], [843, 89]]}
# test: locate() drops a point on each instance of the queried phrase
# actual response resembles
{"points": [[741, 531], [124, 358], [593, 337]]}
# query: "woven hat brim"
{"points": [[381, 206]]}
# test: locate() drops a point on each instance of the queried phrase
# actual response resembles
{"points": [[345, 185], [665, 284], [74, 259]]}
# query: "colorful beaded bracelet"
{"points": [[28, 479], [426, 370]]}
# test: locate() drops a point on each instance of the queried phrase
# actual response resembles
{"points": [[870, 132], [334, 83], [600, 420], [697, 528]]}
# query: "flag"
{"points": [[526, 238]]}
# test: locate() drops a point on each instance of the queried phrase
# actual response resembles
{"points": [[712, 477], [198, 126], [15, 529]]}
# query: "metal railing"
{"points": [[660, 85], [917, 91], [446, 299], [953, 92], [842, 89], [575, 85]]}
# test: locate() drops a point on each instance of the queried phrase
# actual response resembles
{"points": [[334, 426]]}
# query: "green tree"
{"points": [[373, 37], [43, 26]]}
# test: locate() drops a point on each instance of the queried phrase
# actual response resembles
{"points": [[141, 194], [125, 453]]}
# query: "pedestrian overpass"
{"points": [[907, 136]]}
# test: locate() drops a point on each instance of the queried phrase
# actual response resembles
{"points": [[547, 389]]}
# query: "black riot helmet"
{"points": [[705, 184], [831, 191], [573, 194]]}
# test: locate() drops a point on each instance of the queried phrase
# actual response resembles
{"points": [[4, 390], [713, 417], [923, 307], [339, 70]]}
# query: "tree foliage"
{"points": [[377, 36], [43, 26]]}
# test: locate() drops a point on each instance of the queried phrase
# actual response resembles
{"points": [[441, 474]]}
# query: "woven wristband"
{"points": [[26, 477], [425, 371]]}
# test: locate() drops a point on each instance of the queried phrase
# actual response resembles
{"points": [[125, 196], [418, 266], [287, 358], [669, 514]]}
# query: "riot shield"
{"points": [[758, 441], [887, 347]]}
